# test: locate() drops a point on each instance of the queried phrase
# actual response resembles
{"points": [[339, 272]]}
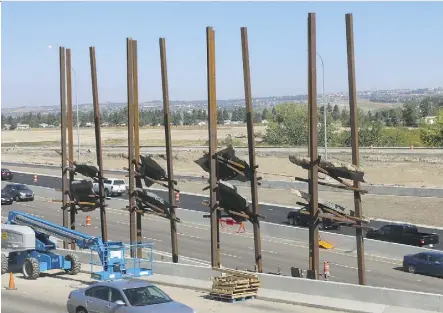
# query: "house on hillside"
{"points": [[23, 127], [430, 120]]}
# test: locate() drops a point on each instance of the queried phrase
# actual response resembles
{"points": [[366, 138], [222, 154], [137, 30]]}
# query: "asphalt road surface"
{"points": [[274, 213], [14, 301], [236, 249]]}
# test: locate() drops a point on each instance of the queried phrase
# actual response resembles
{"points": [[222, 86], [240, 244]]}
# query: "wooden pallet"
{"points": [[234, 285], [232, 299]]}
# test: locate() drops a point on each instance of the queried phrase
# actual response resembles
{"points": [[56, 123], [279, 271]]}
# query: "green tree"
{"points": [[225, 115], [288, 125], [411, 114], [345, 118], [220, 116], [265, 114], [257, 117], [335, 113]]}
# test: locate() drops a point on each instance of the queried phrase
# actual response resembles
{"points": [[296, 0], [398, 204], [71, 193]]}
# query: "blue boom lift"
{"points": [[28, 240]]}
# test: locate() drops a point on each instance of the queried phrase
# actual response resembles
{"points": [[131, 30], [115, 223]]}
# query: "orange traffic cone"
{"points": [[11, 285], [326, 269], [88, 221], [35, 178]]}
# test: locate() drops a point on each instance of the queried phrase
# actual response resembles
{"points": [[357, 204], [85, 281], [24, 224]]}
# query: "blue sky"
{"points": [[397, 45]]}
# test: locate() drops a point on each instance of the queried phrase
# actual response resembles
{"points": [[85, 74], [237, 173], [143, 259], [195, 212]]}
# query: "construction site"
{"points": [[227, 203]]}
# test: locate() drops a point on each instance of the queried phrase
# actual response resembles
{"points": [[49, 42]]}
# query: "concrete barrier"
{"points": [[341, 242], [374, 295]]}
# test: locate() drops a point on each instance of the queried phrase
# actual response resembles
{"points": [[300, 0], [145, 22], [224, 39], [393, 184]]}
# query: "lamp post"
{"points": [[324, 106], [78, 121], [76, 104]]}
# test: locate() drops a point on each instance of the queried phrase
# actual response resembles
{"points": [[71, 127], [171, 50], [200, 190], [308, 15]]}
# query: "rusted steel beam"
{"points": [[354, 143], [65, 184], [138, 181], [170, 168], [70, 137], [131, 151], [98, 144], [212, 127], [251, 147], [313, 144]]}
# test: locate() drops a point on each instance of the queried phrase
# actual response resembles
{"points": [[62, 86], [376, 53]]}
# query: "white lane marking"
{"points": [[230, 255], [346, 266], [149, 238], [190, 236], [268, 251]]}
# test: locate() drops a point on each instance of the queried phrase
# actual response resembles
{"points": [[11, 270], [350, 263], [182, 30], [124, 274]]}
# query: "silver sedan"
{"points": [[123, 296]]}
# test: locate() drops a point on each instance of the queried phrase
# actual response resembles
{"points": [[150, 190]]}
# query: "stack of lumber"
{"points": [[234, 285]]}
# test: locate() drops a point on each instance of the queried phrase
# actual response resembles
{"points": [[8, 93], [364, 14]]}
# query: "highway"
{"points": [[273, 213], [236, 249]]}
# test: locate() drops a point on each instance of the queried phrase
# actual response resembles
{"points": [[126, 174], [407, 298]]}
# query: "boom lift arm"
{"points": [[43, 229]]}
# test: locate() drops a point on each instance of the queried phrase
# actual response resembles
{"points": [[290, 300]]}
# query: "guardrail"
{"points": [[320, 291]]}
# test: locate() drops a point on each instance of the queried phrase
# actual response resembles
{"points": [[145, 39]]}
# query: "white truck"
{"points": [[113, 187]]}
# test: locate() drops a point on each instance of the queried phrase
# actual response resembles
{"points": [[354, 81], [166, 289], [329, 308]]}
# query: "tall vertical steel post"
{"points": [[132, 217], [212, 127], [98, 143], [354, 143], [63, 125], [170, 168], [138, 180], [313, 145], [70, 137], [251, 147]]}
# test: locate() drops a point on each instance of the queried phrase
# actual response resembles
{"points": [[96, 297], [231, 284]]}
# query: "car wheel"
{"points": [[81, 310], [17, 198], [412, 269]]}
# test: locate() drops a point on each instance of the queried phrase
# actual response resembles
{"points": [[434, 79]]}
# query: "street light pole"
{"points": [[78, 122], [324, 107]]}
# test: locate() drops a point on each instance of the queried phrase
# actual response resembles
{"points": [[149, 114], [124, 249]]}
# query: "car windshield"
{"points": [[119, 182], [148, 295], [20, 187]]}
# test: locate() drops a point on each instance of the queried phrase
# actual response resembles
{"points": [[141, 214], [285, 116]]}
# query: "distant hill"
{"points": [[368, 100]]}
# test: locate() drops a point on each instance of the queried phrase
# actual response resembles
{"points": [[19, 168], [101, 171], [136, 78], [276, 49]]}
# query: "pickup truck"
{"points": [[113, 187], [300, 217], [403, 233]]}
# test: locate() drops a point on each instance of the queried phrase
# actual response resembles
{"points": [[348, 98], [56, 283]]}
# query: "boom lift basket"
{"points": [[119, 263]]}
